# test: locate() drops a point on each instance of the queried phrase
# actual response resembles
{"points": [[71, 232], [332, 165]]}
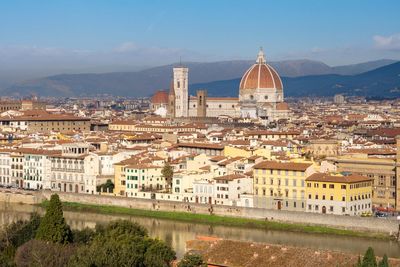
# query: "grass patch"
{"points": [[218, 220]]}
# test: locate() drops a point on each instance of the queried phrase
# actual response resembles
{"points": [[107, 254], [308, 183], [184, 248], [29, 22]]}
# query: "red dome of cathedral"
{"points": [[260, 75], [160, 97]]}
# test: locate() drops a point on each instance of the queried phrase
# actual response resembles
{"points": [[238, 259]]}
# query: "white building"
{"points": [[5, 169], [223, 190], [37, 171], [68, 169]]}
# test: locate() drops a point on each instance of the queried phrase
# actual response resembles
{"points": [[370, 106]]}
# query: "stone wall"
{"points": [[20, 196], [344, 222]]}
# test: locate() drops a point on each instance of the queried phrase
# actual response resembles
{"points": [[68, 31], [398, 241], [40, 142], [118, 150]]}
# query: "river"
{"points": [[176, 233]]}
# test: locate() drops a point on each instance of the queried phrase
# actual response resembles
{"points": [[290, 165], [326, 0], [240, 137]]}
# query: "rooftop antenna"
{"points": [[180, 61]]}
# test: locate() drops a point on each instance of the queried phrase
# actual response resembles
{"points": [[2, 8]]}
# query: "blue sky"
{"points": [[87, 33]]}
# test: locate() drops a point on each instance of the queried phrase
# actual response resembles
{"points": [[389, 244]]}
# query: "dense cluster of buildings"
{"points": [[335, 156]]}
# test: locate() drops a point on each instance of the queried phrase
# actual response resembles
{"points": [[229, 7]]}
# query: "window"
{"points": [[331, 208], [265, 97], [331, 186], [343, 186], [331, 198], [343, 198], [323, 185], [381, 180], [309, 196]]}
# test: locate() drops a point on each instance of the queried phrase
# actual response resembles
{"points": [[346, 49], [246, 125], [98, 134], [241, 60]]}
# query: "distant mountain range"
{"points": [[219, 78], [380, 82]]}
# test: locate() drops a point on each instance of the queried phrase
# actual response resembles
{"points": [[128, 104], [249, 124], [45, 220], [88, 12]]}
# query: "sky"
{"points": [[103, 35]]}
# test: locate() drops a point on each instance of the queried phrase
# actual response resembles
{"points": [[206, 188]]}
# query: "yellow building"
{"points": [[119, 179], [280, 185], [144, 178], [339, 194]]}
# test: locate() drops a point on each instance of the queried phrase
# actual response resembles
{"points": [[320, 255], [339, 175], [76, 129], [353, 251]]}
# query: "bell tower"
{"points": [[171, 101], [201, 103], [181, 91]]}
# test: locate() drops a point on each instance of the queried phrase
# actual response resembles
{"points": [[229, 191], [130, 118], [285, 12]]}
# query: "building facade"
{"points": [[339, 194], [281, 185]]}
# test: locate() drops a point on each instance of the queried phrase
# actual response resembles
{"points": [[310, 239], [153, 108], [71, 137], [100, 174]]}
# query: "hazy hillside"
{"points": [[146, 82], [361, 67], [382, 82]]}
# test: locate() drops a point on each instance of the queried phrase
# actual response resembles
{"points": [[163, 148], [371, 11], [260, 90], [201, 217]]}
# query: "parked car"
{"points": [[380, 214], [366, 214]]}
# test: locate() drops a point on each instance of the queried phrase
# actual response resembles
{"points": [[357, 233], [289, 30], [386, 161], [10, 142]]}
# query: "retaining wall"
{"points": [[337, 221]]}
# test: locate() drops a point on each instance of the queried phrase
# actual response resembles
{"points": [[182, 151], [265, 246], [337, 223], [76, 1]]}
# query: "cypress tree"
{"points": [[384, 262], [53, 226], [369, 259]]}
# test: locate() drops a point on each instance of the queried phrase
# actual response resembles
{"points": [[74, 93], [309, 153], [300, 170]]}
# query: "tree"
{"points": [[42, 253], [384, 262], [168, 172], [158, 254], [106, 187], [192, 260], [84, 236], [123, 243], [16, 234], [53, 226], [369, 259]]}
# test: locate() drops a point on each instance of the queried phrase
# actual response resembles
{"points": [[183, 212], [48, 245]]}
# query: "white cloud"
{"points": [[391, 42]]}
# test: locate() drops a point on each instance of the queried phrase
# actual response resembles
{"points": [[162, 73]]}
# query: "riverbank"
{"points": [[220, 220]]}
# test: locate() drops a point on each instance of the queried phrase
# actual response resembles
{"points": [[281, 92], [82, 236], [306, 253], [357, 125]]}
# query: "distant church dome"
{"points": [[160, 97], [260, 76]]}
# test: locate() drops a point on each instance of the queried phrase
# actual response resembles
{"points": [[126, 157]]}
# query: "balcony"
{"points": [[67, 170]]}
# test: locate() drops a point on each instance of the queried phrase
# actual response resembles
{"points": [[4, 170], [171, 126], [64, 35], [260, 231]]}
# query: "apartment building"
{"points": [[75, 169], [339, 194], [5, 169], [281, 185]]}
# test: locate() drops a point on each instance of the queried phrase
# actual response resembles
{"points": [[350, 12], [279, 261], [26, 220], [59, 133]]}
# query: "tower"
{"points": [[201, 103], [171, 100], [181, 91]]}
